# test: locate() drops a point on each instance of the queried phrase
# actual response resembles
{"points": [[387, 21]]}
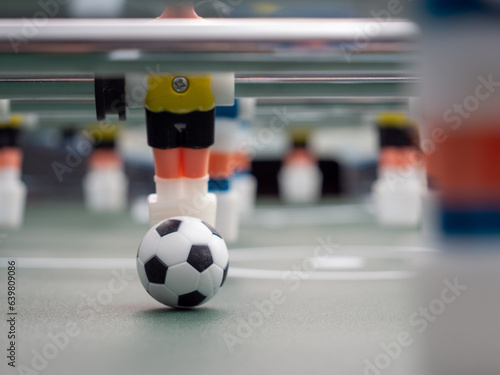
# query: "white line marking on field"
{"points": [[325, 269], [71, 263], [250, 273]]}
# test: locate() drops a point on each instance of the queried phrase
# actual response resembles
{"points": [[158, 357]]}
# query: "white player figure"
{"points": [[244, 182], [105, 185], [223, 164], [12, 189], [398, 192], [300, 179]]}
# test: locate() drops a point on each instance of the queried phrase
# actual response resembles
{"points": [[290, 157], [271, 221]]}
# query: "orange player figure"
{"points": [[180, 117]]}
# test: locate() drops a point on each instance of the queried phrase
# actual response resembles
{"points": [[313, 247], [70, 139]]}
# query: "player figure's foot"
{"points": [[182, 197]]}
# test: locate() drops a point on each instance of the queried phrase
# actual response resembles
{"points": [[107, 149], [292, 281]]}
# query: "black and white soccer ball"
{"points": [[182, 262]]}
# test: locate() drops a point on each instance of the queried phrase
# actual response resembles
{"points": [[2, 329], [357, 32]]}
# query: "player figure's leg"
{"points": [[181, 136], [195, 162], [168, 162]]}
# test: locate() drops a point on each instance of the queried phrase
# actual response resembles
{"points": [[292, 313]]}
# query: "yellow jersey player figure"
{"points": [[180, 117]]}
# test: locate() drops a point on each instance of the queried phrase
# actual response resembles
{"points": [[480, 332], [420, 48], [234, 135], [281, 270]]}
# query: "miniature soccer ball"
{"points": [[182, 262]]}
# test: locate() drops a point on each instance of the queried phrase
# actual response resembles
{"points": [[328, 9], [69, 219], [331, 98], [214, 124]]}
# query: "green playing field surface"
{"points": [[283, 310]]}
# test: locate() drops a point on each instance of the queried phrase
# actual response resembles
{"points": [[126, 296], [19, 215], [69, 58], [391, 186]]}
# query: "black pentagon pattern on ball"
{"points": [[225, 275], [156, 270], [200, 257], [212, 229], [168, 226], [191, 299]]}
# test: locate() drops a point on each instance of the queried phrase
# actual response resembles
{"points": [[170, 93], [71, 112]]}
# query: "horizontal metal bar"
{"points": [[242, 45], [60, 88], [116, 63], [169, 35], [88, 105], [311, 101], [324, 86], [326, 79]]}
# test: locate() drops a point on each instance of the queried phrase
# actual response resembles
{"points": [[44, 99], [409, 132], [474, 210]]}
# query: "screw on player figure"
{"points": [[180, 84]]}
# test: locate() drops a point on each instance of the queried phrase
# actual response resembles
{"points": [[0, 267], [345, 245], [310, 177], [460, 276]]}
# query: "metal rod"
{"points": [[168, 35], [241, 45], [66, 88]]}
